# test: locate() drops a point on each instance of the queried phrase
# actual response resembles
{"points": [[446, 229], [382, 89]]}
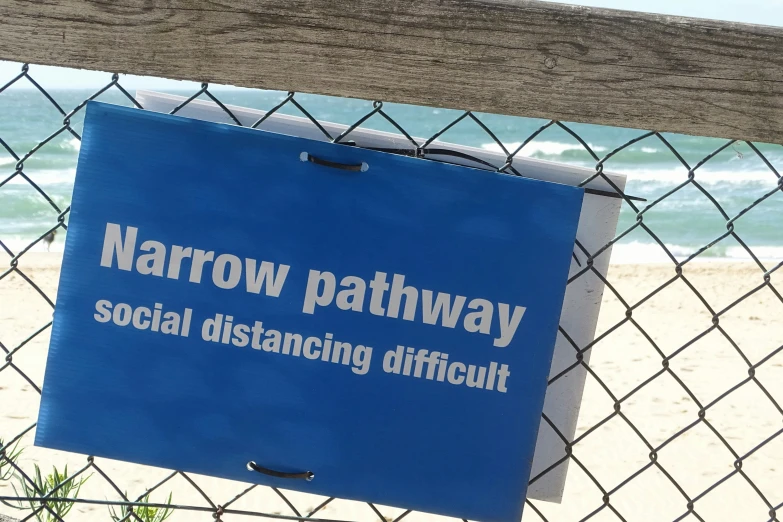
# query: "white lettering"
{"points": [[113, 245], [362, 355], [453, 377], [103, 308], [122, 314], [175, 261], [219, 271], [151, 264], [480, 321], [379, 286], [199, 258], [508, 327], [307, 348], [352, 298], [141, 318], [313, 296], [443, 308], [266, 277], [398, 290]]}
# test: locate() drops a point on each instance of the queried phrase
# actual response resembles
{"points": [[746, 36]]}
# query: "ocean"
{"points": [[685, 221]]}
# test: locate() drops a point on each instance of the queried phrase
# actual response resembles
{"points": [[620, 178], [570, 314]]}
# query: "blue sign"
{"points": [[306, 315]]}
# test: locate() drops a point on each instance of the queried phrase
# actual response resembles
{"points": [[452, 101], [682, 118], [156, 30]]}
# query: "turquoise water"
{"points": [[685, 221]]}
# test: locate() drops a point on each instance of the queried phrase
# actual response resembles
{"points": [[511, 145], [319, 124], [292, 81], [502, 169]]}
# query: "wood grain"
{"points": [[524, 58]]}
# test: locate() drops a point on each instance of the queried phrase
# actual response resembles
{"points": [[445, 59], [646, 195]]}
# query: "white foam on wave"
{"points": [[44, 178], [18, 243], [545, 148], [669, 173], [7, 161], [25, 197], [72, 144], [765, 253], [637, 252], [704, 176]]}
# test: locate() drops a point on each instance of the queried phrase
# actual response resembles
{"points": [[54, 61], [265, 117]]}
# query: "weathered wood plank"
{"points": [[515, 57]]}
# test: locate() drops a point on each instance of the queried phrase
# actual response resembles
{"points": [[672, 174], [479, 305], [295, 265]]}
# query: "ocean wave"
{"points": [[45, 178], [21, 201], [544, 148], [74, 144], [7, 161], [641, 157], [19, 243], [671, 176], [637, 252], [622, 254]]}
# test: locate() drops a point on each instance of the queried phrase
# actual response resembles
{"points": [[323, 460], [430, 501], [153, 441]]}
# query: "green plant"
{"points": [[8, 456], [57, 486], [145, 513]]}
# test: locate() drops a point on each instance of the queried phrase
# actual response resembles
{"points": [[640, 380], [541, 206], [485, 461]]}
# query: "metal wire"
{"points": [[605, 493]]}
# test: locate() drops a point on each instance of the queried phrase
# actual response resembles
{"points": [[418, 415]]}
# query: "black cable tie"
{"points": [[360, 167], [307, 475]]}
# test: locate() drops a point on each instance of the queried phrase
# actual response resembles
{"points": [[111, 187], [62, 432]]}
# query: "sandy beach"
{"points": [[612, 453]]}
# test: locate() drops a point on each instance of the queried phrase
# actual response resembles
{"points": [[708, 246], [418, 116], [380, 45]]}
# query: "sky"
{"points": [[767, 12]]}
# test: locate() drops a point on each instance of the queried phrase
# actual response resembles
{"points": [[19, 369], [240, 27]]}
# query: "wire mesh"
{"points": [[723, 458]]}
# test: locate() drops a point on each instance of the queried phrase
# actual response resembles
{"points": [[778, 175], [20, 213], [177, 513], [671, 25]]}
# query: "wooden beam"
{"points": [[516, 57]]}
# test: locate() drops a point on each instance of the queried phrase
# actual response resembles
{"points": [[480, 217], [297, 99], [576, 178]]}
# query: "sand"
{"points": [[612, 453]]}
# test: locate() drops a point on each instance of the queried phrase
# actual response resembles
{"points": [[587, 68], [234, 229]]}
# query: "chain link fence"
{"points": [[682, 415]]}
